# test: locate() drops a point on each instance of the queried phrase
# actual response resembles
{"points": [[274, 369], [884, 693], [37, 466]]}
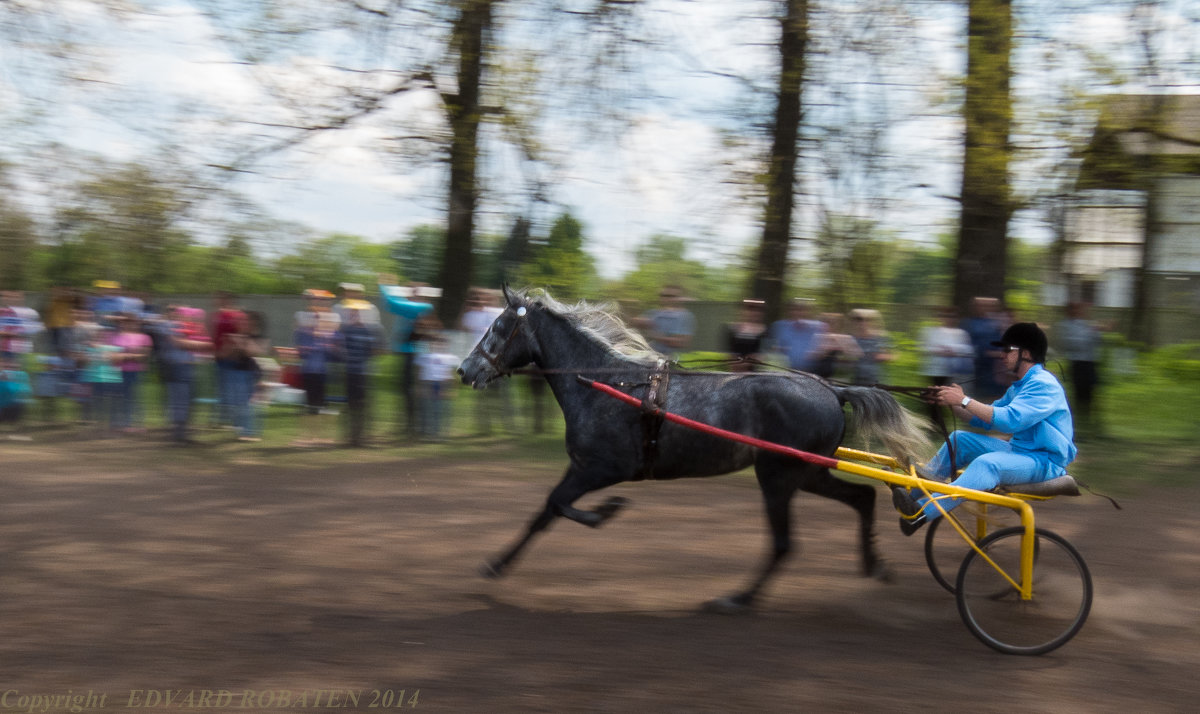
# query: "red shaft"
{"points": [[723, 433]]}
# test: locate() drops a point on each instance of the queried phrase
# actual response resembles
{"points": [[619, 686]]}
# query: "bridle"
{"points": [[494, 359]]}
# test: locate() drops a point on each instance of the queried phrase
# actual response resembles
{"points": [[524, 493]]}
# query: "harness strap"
{"points": [[494, 360], [1094, 492], [652, 417]]}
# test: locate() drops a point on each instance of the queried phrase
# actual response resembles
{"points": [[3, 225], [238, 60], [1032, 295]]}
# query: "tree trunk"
{"points": [[463, 110], [771, 269], [1141, 320], [981, 262], [1142, 326]]}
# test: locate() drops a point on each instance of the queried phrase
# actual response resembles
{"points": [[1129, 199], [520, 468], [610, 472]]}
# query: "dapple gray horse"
{"points": [[606, 439]]}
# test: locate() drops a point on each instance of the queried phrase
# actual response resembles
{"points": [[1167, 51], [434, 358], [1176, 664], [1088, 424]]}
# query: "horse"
{"points": [[607, 440]]}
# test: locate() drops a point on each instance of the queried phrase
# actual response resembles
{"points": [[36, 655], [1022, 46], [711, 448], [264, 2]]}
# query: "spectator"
{"points": [[60, 318], [798, 336], [359, 343], [744, 336], [834, 348], [436, 374], [226, 321], [102, 375], [866, 327], [315, 343], [242, 348], [985, 327], [79, 337], [134, 346], [670, 327], [409, 308], [354, 298], [184, 343], [1003, 376], [130, 304], [15, 396], [494, 403], [18, 324], [947, 356], [1080, 340], [318, 307], [105, 302]]}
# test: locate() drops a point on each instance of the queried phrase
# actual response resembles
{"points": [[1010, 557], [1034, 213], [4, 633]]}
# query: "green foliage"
{"points": [[850, 264], [488, 269], [921, 275], [324, 262], [1178, 362], [17, 245], [560, 264], [661, 261], [1026, 265], [418, 256]]}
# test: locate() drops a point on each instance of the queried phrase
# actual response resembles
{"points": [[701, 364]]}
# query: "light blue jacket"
{"points": [[407, 313], [1035, 411]]}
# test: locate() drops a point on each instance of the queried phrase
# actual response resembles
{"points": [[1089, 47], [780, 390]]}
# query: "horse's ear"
{"points": [[509, 296]]}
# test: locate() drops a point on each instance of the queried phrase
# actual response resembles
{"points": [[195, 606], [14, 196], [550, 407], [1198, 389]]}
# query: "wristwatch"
{"points": [[966, 400]]}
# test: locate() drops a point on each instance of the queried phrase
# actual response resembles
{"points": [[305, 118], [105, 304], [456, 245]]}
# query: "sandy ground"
{"points": [[152, 587]]}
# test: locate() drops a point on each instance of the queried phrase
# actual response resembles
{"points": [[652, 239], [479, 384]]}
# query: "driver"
{"points": [[1034, 411]]}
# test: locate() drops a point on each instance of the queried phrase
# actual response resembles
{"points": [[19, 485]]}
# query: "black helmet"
{"points": [[1027, 336]]}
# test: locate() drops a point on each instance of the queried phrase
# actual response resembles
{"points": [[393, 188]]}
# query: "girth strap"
{"points": [[652, 419]]}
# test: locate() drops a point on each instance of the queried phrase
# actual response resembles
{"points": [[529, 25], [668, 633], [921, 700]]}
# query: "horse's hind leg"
{"points": [[559, 503], [861, 498], [778, 487]]}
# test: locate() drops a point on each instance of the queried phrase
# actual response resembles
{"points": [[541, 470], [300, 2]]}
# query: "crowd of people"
{"points": [[103, 344], [99, 345], [855, 348]]}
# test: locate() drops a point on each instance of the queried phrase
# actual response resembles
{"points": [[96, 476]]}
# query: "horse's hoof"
{"points": [[609, 508], [729, 605], [491, 571], [881, 572]]}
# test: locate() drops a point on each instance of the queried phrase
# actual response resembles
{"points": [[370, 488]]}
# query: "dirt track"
{"points": [[331, 583]]}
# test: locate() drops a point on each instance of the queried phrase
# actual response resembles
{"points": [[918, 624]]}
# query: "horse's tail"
{"points": [[875, 414]]}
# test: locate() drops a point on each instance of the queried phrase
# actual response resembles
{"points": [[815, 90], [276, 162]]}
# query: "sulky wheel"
{"points": [[945, 548], [993, 610]]}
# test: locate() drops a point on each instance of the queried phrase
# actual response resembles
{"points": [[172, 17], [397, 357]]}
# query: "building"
{"points": [[1130, 231]]}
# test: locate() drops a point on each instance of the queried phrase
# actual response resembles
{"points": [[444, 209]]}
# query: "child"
{"points": [[15, 395], [102, 374], [243, 345], [359, 342], [135, 349], [316, 346], [435, 372], [184, 342]]}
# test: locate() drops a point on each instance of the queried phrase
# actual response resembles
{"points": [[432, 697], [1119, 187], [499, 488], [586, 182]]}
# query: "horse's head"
{"points": [[506, 346]]}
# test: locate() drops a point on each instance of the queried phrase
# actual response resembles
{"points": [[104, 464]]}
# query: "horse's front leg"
{"points": [[575, 484]]}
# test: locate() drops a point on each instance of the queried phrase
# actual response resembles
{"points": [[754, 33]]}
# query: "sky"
{"points": [[667, 172]]}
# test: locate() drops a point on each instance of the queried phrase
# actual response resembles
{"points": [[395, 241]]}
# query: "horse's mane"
{"points": [[598, 320]]}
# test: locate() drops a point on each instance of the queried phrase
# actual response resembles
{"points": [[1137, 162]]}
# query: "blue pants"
{"points": [[432, 410], [226, 391], [990, 462], [131, 408], [239, 389], [179, 399], [106, 403]]}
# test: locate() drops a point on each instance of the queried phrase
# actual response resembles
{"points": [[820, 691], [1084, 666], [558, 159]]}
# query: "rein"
{"points": [[924, 394], [659, 379]]}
